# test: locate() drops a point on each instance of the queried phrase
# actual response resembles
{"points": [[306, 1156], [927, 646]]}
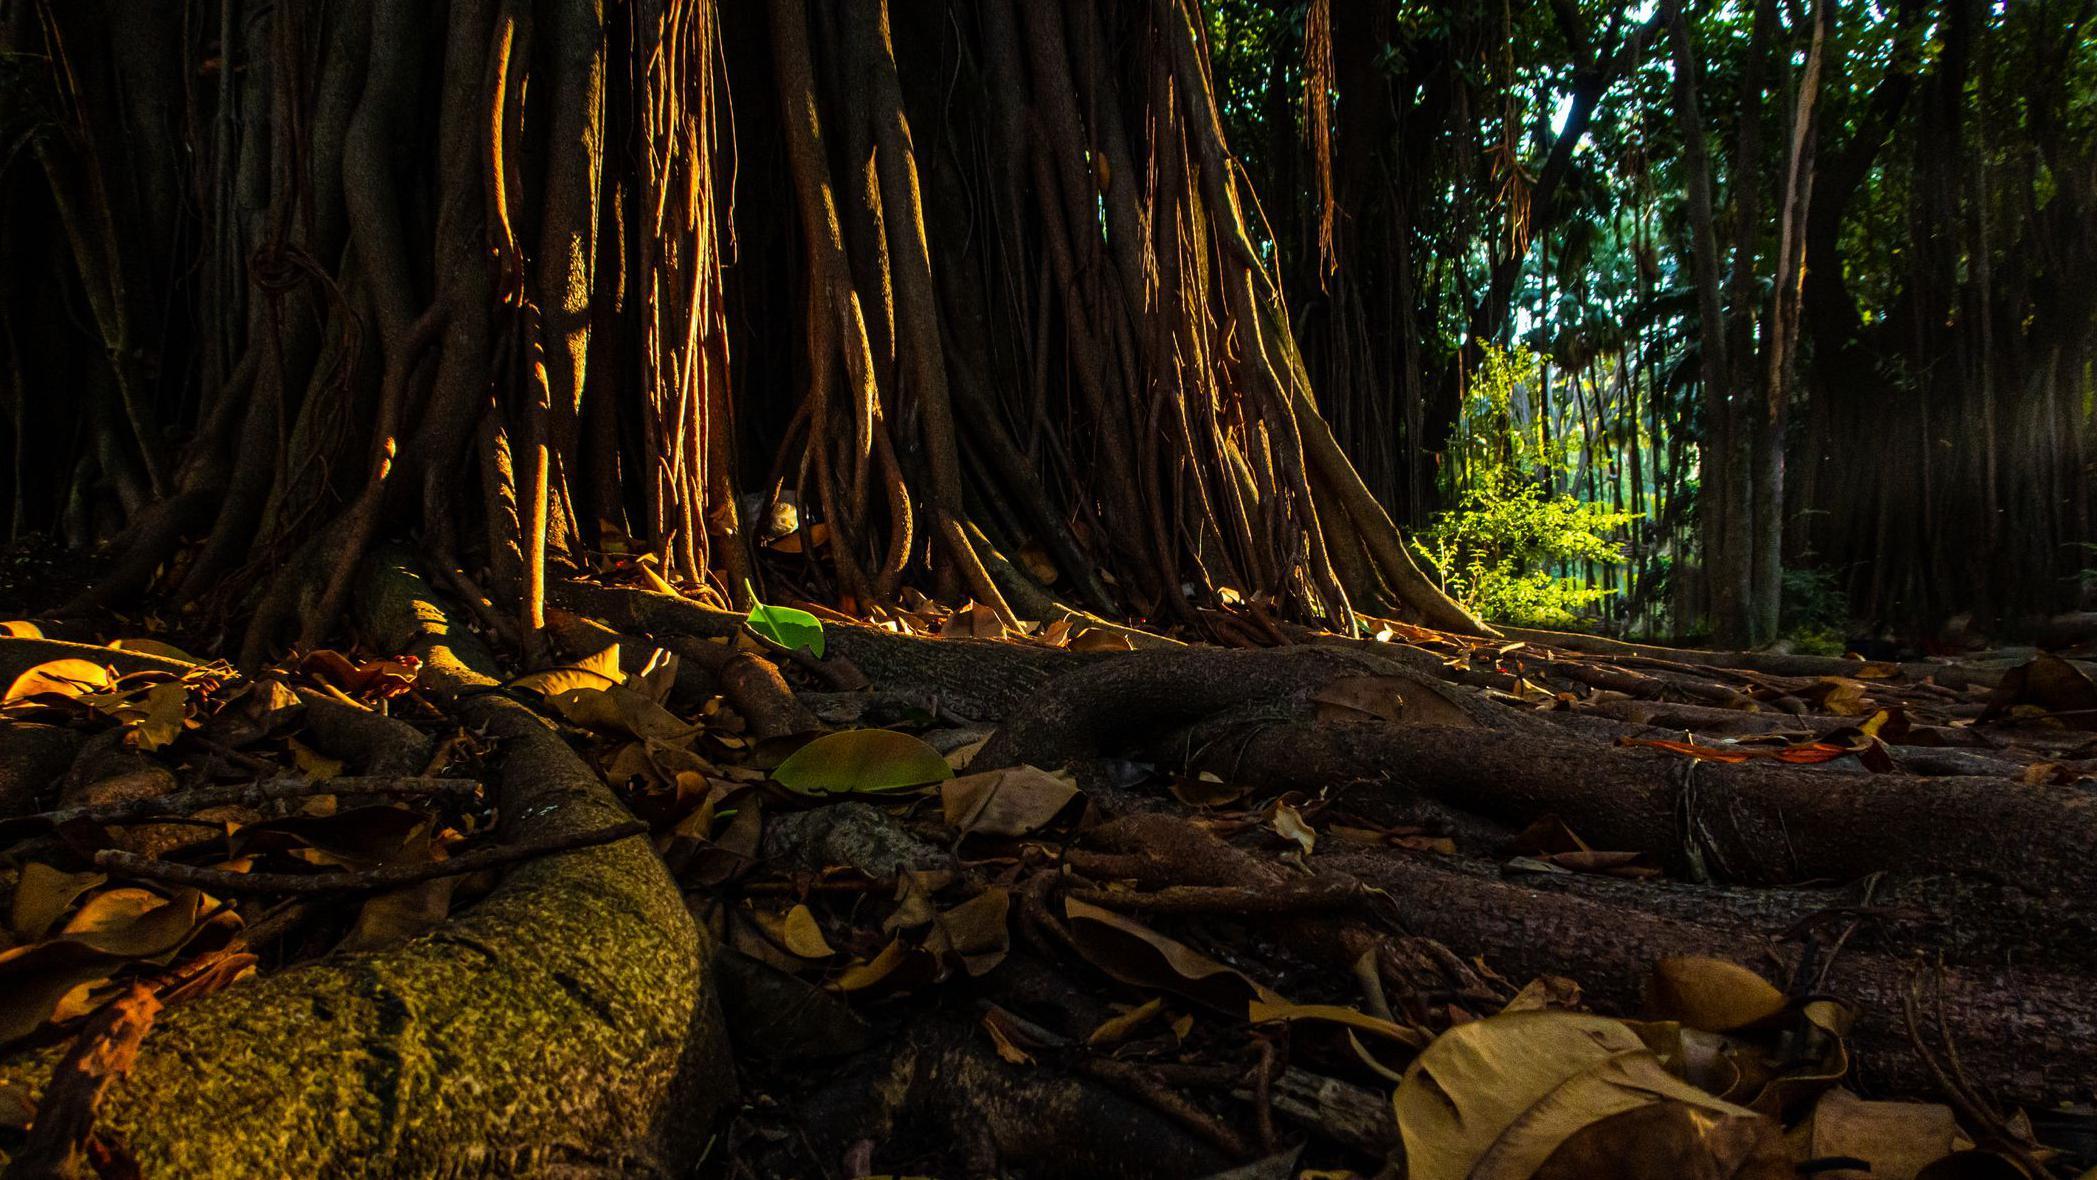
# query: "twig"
{"points": [[362, 881], [1138, 1083], [254, 795], [1263, 1075], [1227, 899]]}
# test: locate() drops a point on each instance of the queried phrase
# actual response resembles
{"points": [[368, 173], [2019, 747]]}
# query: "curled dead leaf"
{"points": [[1135, 954]]}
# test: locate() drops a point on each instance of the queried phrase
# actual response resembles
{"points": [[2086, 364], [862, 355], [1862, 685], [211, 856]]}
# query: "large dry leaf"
{"points": [[399, 914], [1135, 954], [973, 934], [36, 980], [160, 717], [60, 678], [135, 923], [1896, 1139], [596, 670], [862, 761], [2048, 686], [1012, 802], [621, 710], [1711, 994], [1842, 696], [1495, 1099], [898, 968], [42, 894]]}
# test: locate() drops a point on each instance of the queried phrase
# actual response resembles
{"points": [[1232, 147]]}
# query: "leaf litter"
{"points": [[878, 905]]}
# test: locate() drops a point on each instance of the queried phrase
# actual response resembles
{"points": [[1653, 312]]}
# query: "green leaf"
{"points": [[862, 761], [787, 627]]}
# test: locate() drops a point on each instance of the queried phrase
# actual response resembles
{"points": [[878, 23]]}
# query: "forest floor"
{"points": [[983, 903]]}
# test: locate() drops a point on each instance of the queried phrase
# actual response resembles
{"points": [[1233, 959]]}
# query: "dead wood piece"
{"points": [[944, 1086], [221, 881], [256, 794], [62, 1140], [1340, 1111], [1307, 897], [752, 684]]}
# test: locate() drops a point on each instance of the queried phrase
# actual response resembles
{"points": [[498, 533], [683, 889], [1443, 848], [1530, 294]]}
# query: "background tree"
{"points": [[334, 256]]}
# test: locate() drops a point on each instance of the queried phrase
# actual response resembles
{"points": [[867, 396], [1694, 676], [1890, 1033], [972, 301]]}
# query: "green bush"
{"points": [[1504, 549]]}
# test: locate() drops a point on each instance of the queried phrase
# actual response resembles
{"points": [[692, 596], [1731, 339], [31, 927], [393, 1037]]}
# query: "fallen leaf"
{"points": [[862, 761], [898, 968], [622, 710], [787, 627], [2063, 691], [44, 893], [35, 981], [1206, 790], [1011, 802], [973, 934], [162, 716], [1259, 1012], [1498, 1098], [59, 678], [374, 679], [154, 647], [1116, 1029], [1002, 1039], [312, 763], [1137, 955], [1289, 823], [1711, 994], [135, 923], [598, 670], [803, 936]]}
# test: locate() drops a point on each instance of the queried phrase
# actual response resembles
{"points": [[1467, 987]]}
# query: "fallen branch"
{"points": [[253, 795], [385, 877], [62, 1140]]}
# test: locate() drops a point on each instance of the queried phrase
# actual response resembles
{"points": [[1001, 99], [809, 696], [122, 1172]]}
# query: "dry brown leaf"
{"points": [[1135, 954], [973, 934], [1289, 823], [621, 710], [42, 894], [1116, 1029], [1260, 1013], [58, 678], [1012, 802], [803, 936], [1498, 1098], [1711, 994]]}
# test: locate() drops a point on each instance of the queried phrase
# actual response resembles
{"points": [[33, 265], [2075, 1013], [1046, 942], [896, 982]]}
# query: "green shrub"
{"points": [[1505, 548]]}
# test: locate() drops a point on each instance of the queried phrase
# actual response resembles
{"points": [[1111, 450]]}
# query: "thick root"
{"points": [[564, 1022]]}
